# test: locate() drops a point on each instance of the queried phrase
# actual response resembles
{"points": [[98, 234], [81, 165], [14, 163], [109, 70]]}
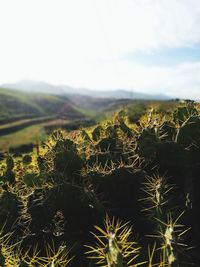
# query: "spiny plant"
{"points": [[78, 177], [169, 232], [157, 196], [11, 254], [151, 258], [114, 247], [10, 208], [173, 246], [183, 112], [9, 175], [57, 257], [97, 132], [147, 142], [187, 123]]}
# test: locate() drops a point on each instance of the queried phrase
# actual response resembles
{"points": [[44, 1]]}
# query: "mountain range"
{"points": [[43, 87]]}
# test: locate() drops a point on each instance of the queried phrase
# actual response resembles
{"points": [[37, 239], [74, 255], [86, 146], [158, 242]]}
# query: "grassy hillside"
{"points": [[17, 105], [26, 117]]}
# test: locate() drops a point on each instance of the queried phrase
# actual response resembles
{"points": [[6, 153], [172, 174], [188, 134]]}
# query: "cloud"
{"points": [[150, 25], [92, 29], [83, 43], [181, 80]]}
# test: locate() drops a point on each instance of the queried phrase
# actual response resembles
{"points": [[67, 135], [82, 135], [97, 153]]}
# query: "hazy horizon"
{"points": [[149, 46]]}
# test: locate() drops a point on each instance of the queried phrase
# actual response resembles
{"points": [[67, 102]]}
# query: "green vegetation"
{"points": [[17, 105], [26, 118], [32, 134], [117, 194]]}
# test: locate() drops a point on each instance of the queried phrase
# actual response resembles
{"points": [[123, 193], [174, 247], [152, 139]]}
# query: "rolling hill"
{"points": [[19, 105]]}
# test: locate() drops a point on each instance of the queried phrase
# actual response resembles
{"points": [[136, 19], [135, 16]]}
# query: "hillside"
{"points": [[26, 118], [19, 105]]}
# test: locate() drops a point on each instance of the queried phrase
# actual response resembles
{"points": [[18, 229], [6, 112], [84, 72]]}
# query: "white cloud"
{"points": [[80, 42], [182, 80]]}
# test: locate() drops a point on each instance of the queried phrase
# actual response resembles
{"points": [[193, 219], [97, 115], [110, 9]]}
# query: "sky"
{"points": [[150, 46]]}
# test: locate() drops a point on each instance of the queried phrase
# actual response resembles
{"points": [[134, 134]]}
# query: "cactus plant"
{"points": [[147, 143], [80, 176], [10, 210], [97, 133], [114, 247], [189, 132], [182, 113], [27, 159]]}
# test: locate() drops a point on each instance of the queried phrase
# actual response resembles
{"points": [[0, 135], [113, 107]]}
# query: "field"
{"points": [[123, 192], [34, 134], [29, 135]]}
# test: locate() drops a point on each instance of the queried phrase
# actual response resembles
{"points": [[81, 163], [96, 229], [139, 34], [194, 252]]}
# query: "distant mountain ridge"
{"points": [[43, 87]]}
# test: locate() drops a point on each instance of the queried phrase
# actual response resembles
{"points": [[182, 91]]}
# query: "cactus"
{"points": [[2, 258], [9, 174], [169, 232], [10, 209], [170, 131], [125, 129], [111, 131], [156, 201], [27, 159], [41, 214], [147, 143], [106, 144], [80, 176], [189, 132], [10, 163], [12, 255], [85, 136], [172, 158], [182, 113], [67, 163], [32, 179], [114, 247], [101, 158], [62, 161], [172, 247], [97, 133]]}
